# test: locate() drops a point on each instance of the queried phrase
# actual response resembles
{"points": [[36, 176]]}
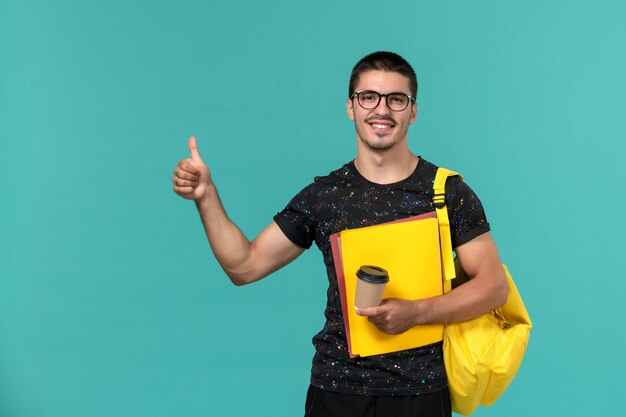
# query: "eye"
{"points": [[369, 97], [397, 99]]}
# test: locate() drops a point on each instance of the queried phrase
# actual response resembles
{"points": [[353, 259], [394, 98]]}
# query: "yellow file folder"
{"points": [[409, 250]]}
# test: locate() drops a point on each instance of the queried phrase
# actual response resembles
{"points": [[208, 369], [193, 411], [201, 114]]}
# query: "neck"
{"points": [[386, 167]]}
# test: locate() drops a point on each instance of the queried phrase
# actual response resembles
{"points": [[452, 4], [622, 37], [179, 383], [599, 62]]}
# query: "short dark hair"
{"points": [[383, 61]]}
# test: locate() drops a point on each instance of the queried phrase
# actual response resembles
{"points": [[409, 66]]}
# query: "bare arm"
{"points": [[486, 290], [243, 261]]}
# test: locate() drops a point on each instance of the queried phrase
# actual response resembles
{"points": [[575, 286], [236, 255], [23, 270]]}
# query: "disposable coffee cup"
{"points": [[370, 286]]}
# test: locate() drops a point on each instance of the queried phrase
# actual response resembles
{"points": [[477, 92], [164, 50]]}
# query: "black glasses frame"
{"points": [[380, 96]]}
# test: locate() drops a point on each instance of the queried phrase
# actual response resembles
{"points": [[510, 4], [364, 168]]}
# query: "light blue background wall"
{"points": [[110, 301]]}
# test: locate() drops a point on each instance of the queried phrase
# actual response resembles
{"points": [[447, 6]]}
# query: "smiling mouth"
{"points": [[381, 123], [381, 126]]}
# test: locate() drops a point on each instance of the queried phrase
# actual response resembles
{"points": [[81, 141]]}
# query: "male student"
{"points": [[384, 182]]}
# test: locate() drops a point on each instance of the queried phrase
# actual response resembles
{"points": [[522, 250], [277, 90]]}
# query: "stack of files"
{"points": [[409, 250]]}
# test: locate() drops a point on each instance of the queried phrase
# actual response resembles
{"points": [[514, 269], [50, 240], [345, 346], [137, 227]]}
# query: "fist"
{"points": [[192, 177]]}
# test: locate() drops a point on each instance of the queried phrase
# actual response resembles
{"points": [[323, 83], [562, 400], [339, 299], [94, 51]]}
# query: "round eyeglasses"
{"points": [[369, 99]]}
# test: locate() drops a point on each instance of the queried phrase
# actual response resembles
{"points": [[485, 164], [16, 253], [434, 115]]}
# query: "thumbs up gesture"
{"points": [[192, 177]]}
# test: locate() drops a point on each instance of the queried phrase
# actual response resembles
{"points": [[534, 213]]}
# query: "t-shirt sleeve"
{"points": [[297, 220], [466, 213]]}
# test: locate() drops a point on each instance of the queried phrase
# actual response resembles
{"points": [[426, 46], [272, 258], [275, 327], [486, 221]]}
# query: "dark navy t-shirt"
{"points": [[342, 200]]}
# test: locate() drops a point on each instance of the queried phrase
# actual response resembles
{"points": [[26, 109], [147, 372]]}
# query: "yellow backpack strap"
{"points": [[445, 239]]}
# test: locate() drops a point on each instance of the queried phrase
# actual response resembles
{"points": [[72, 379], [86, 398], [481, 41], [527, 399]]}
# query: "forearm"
{"points": [[470, 300], [486, 289], [229, 245]]}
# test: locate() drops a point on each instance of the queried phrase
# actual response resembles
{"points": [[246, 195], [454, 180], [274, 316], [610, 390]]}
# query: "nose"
{"points": [[382, 107]]}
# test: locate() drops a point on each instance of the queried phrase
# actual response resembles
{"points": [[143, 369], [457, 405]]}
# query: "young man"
{"points": [[385, 182]]}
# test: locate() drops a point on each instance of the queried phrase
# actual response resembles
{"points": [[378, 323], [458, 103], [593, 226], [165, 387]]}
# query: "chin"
{"points": [[378, 145]]}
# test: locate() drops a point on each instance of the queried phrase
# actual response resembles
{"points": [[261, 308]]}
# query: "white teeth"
{"points": [[379, 126]]}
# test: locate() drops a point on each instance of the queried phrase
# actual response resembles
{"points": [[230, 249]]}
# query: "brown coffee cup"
{"points": [[370, 286]]}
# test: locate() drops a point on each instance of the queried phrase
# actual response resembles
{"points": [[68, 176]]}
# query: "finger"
{"points": [[381, 326], [193, 148], [188, 166], [387, 300], [185, 175], [185, 183], [183, 190], [368, 311]]}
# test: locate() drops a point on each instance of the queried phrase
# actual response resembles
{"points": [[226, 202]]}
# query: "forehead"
{"points": [[383, 82]]}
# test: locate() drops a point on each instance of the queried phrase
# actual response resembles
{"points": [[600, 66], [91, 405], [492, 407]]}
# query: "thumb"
{"points": [[193, 148], [367, 311]]}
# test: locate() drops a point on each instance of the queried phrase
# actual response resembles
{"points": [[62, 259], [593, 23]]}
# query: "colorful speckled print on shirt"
{"points": [[346, 200]]}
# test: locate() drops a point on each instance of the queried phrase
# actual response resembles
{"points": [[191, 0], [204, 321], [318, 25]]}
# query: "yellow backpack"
{"points": [[482, 355]]}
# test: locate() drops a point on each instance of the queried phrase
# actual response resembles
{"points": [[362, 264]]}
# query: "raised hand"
{"points": [[192, 177]]}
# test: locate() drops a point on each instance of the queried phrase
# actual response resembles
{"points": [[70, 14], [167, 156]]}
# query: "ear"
{"points": [[350, 108], [413, 113]]}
